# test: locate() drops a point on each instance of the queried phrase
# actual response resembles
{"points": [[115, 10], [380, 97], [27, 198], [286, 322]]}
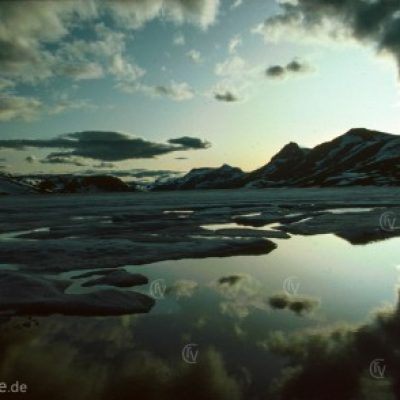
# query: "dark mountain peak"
{"points": [[224, 166], [222, 177], [199, 170], [206, 170], [290, 150], [227, 167], [358, 157], [291, 145], [365, 134]]}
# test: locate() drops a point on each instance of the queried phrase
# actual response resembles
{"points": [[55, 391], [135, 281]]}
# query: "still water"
{"points": [[206, 336]]}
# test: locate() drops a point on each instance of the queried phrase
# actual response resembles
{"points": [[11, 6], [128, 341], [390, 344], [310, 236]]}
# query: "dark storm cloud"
{"points": [[139, 175], [371, 22], [103, 164], [104, 146], [146, 173], [62, 159], [275, 71], [188, 143], [282, 71], [296, 66], [226, 96]]}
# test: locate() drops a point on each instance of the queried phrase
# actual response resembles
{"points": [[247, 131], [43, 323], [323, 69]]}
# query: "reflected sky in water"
{"points": [[349, 280], [219, 304]]}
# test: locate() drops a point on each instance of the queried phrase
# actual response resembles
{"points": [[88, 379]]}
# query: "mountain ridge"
{"points": [[358, 157]]}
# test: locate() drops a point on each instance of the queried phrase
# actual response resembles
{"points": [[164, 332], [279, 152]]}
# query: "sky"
{"points": [[181, 84]]}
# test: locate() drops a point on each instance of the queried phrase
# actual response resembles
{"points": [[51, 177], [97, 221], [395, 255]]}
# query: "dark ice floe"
{"points": [[63, 255], [118, 278], [237, 232], [355, 227], [27, 294]]}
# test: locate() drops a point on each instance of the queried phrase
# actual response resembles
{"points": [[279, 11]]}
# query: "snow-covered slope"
{"points": [[224, 177], [359, 157]]}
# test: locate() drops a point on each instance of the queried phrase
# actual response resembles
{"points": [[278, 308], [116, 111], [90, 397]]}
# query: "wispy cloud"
{"points": [[226, 96], [194, 56], [232, 66], [19, 107], [83, 71], [234, 43], [178, 91], [179, 39], [236, 4]]}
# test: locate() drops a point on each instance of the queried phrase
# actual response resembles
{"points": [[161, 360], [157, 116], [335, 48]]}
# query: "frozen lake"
{"points": [[247, 294]]}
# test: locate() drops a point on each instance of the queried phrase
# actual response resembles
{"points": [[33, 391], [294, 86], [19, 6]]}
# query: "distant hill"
{"points": [[359, 157], [225, 177], [64, 183], [8, 185], [82, 184]]}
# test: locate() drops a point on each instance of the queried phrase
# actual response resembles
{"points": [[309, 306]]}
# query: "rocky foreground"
{"points": [[93, 237]]}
